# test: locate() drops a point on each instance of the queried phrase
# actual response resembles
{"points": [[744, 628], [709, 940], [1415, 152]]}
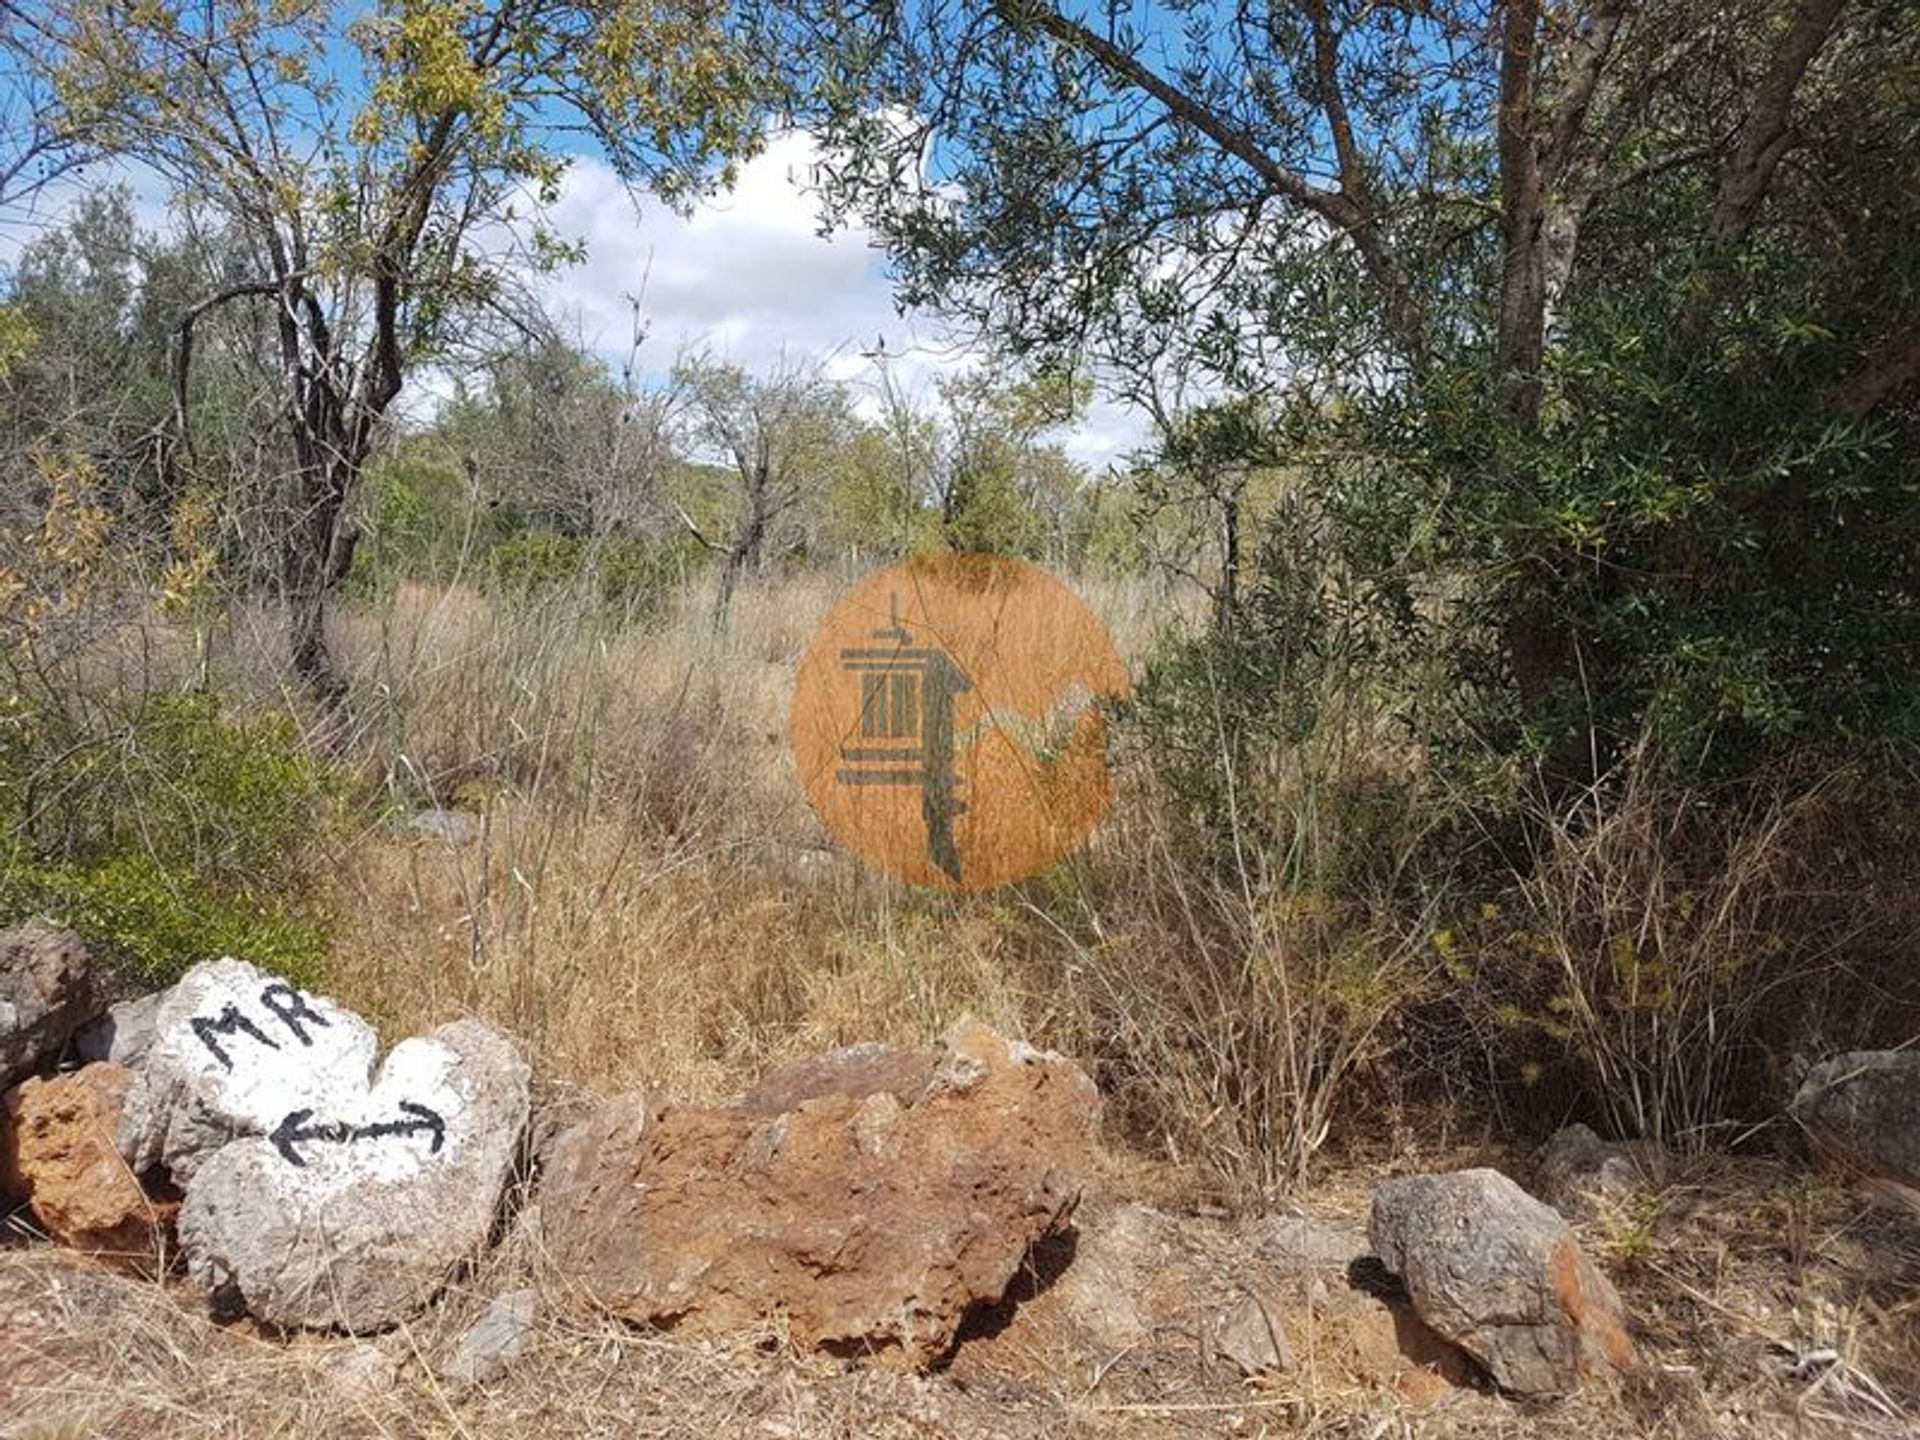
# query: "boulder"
{"points": [[486, 1352], [864, 1203], [234, 1052], [1582, 1175], [1863, 1108], [46, 991], [1499, 1274], [354, 1216], [122, 1035], [57, 1153]]}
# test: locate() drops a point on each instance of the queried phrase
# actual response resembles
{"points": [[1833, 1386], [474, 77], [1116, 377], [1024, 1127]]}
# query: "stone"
{"points": [[856, 1211], [1863, 1109], [1308, 1242], [453, 827], [234, 1052], [362, 1370], [123, 1035], [1501, 1275], [485, 1352], [57, 1152], [1582, 1175], [355, 1217], [1250, 1334], [46, 992]]}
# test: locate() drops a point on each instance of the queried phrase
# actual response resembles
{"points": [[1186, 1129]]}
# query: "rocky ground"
{"points": [[874, 1242]]}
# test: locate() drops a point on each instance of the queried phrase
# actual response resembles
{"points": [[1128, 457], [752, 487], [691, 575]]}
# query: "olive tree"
{"points": [[384, 167]]}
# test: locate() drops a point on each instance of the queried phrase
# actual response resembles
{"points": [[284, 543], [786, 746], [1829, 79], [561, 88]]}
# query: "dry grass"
{"points": [[648, 901]]}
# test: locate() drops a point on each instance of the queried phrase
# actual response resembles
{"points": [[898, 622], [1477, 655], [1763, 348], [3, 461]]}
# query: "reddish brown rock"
{"points": [[862, 1203], [57, 1152]]}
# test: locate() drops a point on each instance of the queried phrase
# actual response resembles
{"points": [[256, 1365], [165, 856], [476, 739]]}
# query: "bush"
{"points": [[623, 573], [167, 835]]}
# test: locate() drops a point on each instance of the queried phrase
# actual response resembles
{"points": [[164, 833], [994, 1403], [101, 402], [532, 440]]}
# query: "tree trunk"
{"points": [[320, 546]]}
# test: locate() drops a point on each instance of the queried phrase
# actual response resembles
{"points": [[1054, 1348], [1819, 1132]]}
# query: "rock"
{"points": [[234, 1052], [57, 1152], [1309, 1242], [485, 1352], [1863, 1108], [1500, 1274], [46, 991], [362, 1369], [856, 1071], [867, 1217], [1581, 1174], [355, 1216], [123, 1035], [1119, 1260], [1251, 1336], [454, 827]]}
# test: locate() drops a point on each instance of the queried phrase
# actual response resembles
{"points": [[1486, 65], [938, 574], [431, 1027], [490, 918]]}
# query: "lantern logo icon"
{"points": [[906, 729], [947, 720]]}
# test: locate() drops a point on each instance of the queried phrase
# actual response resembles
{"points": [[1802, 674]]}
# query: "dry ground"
{"points": [[1766, 1304]]}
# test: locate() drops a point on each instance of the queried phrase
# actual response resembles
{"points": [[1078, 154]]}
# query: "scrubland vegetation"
{"points": [[1524, 631]]}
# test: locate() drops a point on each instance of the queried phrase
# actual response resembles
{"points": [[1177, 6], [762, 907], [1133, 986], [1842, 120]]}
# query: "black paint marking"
{"points": [[294, 1131], [230, 1021], [292, 1011]]}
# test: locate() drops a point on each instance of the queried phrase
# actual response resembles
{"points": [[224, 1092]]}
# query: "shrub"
{"points": [[168, 834]]}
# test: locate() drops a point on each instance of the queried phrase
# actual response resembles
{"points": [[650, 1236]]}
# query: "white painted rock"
{"points": [[353, 1208], [234, 1051]]}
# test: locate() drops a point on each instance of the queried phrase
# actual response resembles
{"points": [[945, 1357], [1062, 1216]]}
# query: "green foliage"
{"points": [[169, 835], [627, 574]]}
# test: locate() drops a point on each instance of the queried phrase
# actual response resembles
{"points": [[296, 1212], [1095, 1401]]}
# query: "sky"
{"points": [[747, 276]]}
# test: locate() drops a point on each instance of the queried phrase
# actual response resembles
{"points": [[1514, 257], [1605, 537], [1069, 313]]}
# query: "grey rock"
{"points": [[1581, 1174], [123, 1035], [363, 1369], [1309, 1242], [1502, 1276], [355, 1217], [497, 1339], [1250, 1334], [454, 827], [46, 991], [1863, 1108], [234, 1052]]}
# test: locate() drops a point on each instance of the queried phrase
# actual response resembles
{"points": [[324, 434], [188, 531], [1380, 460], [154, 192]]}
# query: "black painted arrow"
{"points": [[295, 1131]]}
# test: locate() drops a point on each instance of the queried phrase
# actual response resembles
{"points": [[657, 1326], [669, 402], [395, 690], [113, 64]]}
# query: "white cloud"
{"points": [[746, 275], [749, 277]]}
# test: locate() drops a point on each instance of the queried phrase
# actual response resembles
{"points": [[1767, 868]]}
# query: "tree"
{"points": [[379, 167], [781, 433], [1501, 247]]}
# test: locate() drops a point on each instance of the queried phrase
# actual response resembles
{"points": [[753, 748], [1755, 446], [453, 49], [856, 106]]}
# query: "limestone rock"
{"points": [[46, 991], [1309, 1242], [123, 1035], [864, 1212], [1500, 1274], [57, 1152], [355, 1216], [1250, 1334], [488, 1350], [234, 1052], [1863, 1108]]}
